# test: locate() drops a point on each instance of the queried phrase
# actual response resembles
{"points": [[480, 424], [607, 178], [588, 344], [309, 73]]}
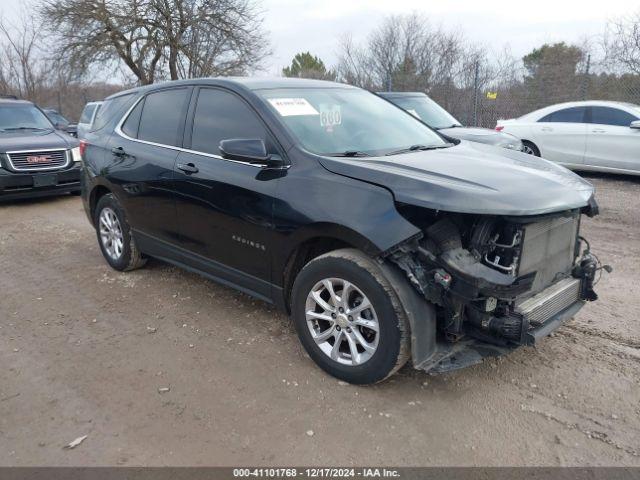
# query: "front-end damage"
{"points": [[497, 282]]}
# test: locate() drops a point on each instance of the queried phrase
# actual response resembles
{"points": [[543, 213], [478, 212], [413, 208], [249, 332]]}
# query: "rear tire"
{"points": [[530, 148], [373, 342], [114, 236]]}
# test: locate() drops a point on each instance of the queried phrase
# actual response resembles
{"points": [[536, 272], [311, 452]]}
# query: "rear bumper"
{"points": [[15, 186]]}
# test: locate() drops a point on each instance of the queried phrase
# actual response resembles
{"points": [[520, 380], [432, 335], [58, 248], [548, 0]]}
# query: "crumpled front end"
{"points": [[497, 282]]}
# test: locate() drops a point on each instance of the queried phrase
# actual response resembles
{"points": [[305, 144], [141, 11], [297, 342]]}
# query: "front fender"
{"points": [[321, 204], [420, 314]]}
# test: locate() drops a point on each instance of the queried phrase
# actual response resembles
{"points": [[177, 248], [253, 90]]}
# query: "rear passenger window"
{"points": [[162, 117], [221, 115], [611, 116], [567, 115]]}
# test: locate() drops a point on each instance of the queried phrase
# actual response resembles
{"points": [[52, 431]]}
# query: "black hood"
{"points": [[471, 178], [35, 140]]}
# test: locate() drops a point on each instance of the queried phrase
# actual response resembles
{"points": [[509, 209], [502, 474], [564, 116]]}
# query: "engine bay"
{"points": [[498, 279]]}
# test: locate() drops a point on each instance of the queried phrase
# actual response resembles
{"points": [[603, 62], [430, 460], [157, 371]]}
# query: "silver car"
{"points": [[87, 117], [422, 107]]}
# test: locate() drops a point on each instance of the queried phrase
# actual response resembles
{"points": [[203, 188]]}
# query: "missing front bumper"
{"points": [[471, 351]]}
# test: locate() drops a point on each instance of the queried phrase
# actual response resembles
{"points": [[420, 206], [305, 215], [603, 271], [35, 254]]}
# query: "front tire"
{"points": [[349, 318], [114, 236]]}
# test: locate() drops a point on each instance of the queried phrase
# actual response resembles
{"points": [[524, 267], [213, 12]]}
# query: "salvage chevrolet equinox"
{"points": [[383, 240]]}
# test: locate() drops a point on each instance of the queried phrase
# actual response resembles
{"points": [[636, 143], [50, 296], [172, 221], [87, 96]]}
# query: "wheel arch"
{"points": [[533, 144], [95, 195], [310, 243]]}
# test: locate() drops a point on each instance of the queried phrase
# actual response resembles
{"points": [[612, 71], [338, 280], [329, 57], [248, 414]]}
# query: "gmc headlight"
{"points": [[75, 154]]}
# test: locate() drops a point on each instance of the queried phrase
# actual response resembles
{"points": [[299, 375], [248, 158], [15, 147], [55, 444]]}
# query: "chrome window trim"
{"points": [[36, 169], [119, 131]]}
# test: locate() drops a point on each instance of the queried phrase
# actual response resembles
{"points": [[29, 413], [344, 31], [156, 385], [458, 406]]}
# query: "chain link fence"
{"points": [[483, 103]]}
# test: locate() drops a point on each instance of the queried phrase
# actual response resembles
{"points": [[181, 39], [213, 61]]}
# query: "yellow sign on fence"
{"points": [[492, 95]]}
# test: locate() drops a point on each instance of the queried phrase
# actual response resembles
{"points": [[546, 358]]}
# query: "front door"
{"points": [[611, 143], [224, 207]]}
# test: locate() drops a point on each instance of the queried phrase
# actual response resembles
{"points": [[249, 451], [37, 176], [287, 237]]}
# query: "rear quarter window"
{"points": [[110, 108]]}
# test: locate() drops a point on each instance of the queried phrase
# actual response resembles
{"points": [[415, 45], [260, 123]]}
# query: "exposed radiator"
{"points": [[548, 248]]}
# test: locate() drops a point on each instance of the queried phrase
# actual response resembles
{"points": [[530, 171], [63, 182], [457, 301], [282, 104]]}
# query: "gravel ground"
{"points": [[85, 350]]}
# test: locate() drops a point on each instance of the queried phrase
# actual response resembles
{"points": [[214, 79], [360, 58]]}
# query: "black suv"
{"points": [[382, 239], [35, 158]]}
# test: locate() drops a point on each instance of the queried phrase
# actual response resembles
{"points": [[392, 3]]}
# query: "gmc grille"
{"points": [[38, 160]]}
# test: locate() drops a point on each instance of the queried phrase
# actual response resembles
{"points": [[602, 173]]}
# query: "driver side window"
{"points": [[221, 115], [611, 116]]}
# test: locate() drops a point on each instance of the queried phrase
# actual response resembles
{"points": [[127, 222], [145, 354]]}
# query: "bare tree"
{"points": [[353, 67], [406, 53], [622, 43], [23, 66], [158, 39]]}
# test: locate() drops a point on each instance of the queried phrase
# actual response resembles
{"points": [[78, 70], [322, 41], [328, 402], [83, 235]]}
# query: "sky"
{"points": [[317, 25], [300, 25]]}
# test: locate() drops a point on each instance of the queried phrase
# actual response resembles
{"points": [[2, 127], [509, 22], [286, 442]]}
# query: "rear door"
{"points": [[225, 207], [611, 143], [144, 151], [561, 136]]}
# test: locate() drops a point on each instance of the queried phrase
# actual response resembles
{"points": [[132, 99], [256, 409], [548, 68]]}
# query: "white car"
{"points": [[87, 117], [594, 135]]}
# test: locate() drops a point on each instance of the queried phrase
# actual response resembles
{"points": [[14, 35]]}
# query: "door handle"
{"points": [[547, 129], [598, 130], [118, 152], [188, 168]]}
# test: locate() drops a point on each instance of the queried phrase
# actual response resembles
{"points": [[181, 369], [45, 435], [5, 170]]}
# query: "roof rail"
{"points": [[6, 95]]}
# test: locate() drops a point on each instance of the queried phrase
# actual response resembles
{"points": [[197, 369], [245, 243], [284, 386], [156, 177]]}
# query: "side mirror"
{"points": [[253, 151], [635, 124]]}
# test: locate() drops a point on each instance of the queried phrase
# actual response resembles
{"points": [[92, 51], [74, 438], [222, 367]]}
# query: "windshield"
{"points": [[56, 118], [427, 110], [347, 122], [23, 117]]}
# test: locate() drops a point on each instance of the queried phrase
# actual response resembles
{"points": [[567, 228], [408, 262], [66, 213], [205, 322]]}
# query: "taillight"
{"points": [[499, 128], [83, 146]]}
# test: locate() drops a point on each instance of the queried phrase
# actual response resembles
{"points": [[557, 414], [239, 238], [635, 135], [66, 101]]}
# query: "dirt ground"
{"points": [[80, 356]]}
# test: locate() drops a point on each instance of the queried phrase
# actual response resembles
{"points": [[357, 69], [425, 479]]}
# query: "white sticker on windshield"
{"points": [[330, 115], [288, 107], [414, 113]]}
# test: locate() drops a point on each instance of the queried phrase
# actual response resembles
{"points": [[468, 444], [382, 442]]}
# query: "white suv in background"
{"points": [[593, 135], [87, 117]]}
